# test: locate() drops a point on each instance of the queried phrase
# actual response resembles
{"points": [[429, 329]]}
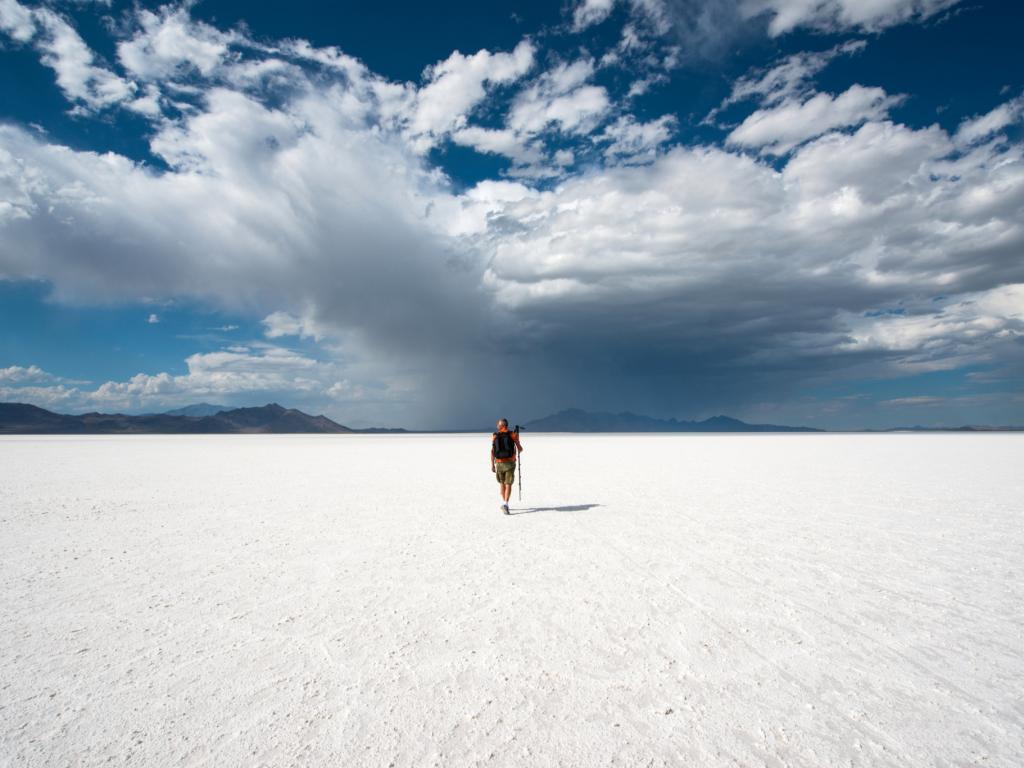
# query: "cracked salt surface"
{"points": [[775, 600]]}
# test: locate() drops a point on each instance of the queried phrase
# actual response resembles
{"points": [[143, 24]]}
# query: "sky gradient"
{"points": [[805, 213]]}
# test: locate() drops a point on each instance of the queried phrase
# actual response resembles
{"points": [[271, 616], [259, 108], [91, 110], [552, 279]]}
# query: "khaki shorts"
{"points": [[505, 471]]}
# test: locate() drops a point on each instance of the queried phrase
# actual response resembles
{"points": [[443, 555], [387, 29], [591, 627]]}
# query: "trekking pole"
{"points": [[519, 456]]}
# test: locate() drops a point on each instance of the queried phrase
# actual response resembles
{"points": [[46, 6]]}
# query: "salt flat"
{"points": [[754, 600]]}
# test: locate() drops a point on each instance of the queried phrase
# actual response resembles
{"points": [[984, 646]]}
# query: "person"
{"points": [[505, 446]]}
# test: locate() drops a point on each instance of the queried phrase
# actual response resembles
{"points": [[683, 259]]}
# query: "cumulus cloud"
{"points": [[633, 141], [560, 101], [239, 374], [279, 324], [16, 20], [500, 141], [264, 179], [31, 384], [791, 111], [78, 75], [974, 329], [562, 98], [53, 397], [778, 129], [787, 79], [457, 84], [32, 374], [983, 126], [168, 42], [218, 373]]}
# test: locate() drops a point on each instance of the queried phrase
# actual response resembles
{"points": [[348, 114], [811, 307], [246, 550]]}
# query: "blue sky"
{"points": [[780, 210]]}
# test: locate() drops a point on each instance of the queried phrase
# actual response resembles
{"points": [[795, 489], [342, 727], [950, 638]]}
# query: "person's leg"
{"points": [[506, 492]]}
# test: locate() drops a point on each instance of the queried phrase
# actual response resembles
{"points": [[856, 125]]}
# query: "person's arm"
{"points": [[492, 455]]}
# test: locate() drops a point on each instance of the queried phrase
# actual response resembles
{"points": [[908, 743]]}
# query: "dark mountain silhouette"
{"points": [[576, 420], [25, 419], [198, 409], [21, 418], [18, 418], [965, 428], [274, 418]]}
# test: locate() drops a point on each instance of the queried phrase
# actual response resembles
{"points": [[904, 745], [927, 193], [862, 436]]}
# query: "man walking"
{"points": [[505, 447]]}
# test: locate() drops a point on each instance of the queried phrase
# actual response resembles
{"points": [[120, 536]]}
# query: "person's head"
{"points": [[502, 423]]}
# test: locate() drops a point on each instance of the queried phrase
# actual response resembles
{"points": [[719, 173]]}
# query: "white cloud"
{"points": [[559, 101], [279, 324], [16, 20], [882, 164], [153, 318], [33, 374], [559, 96], [469, 213], [149, 104], [967, 330], [788, 79], [635, 141], [575, 112], [197, 143], [778, 129], [55, 396], [328, 56], [563, 157], [644, 84], [31, 384], [983, 126], [168, 42], [456, 85], [590, 12], [497, 141], [251, 374], [64, 51], [837, 15], [273, 369]]}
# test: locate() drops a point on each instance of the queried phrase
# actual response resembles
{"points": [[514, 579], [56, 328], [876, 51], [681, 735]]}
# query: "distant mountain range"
{"points": [[576, 420], [965, 428], [21, 418], [204, 418], [199, 409]]}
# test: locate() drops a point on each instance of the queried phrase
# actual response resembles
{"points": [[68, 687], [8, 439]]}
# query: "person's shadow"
{"points": [[570, 508]]}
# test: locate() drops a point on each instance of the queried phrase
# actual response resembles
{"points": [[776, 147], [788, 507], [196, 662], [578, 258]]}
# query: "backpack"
{"points": [[504, 445]]}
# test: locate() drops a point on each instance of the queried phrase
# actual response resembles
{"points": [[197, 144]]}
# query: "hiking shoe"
{"points": [[504, 508]]}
